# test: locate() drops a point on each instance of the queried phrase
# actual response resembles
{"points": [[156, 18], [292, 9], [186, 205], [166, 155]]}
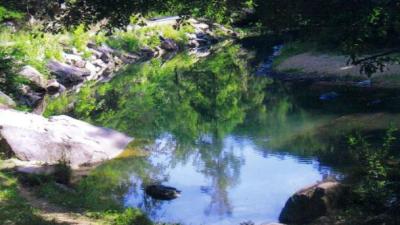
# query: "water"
{"points": [[238, 182], [237, 145]]}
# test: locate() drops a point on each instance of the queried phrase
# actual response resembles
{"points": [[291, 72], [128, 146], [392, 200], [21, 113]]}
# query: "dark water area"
{"points": [[235, 142]]}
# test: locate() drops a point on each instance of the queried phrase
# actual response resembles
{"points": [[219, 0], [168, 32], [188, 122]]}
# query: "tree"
{"points": [[356, 27]]}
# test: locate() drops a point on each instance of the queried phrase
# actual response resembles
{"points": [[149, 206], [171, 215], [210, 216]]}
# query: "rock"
{"points": [[32, 137], [193, 43], [146, 53], [93, 70], [161, 192], [106, 57], [202, 26], [29, 96], [311, 203], [129, 58], [75, 60], [66, 74], [36, 169], [53, 87], [6, 100], [33, 76], [168, 44]]}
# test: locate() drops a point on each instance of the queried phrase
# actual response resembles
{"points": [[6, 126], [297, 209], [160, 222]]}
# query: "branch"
{"points": [[369, 58]]}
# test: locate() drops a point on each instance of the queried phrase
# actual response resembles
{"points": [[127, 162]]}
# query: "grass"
{"points": [[13, 208], [132, 41]]}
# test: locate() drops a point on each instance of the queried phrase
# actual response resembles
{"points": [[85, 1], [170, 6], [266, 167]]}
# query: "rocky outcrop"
{"points": [[32, 137], [67, 75], [311, 203]]}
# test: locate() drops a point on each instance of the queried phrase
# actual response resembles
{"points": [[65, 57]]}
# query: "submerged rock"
{"points": [[32, 137], [161, 192], [311, 203]]}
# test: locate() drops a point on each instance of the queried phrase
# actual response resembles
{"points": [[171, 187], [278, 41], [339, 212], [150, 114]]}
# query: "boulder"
{"points": [[34, 76], [6, 100], [32, 137], [311, 203], [66, 74]]}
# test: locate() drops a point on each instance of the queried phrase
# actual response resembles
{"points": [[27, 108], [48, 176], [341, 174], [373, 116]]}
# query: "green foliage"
{"points": [[355, 27], [32, 47], [119, 13], [57, 106], [183, 96], [9, 81], [6, 14], [374, 188], [80, 38]]}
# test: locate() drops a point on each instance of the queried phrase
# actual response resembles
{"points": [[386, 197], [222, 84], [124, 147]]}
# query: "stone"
{"points": [[106, 57], [53, 87], [168, 44], [32, 137], [66, 74], [311, 203], [34, 76], [93, 70], [146, 53], [29, 96], [129, 58], [6, 100]]}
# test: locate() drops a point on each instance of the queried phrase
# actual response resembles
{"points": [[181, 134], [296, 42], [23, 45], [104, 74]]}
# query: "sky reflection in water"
{"points": [[241, 183]]}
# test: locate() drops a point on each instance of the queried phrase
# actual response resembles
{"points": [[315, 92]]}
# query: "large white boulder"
{"points": [[32, 137]]}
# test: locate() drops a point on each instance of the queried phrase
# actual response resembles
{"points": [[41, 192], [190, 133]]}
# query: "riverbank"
{"points": [[297, 62], [39, 64]]}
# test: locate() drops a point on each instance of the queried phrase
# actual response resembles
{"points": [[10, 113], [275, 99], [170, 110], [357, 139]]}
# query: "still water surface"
{"points": [[236, 143], [240, 182]]}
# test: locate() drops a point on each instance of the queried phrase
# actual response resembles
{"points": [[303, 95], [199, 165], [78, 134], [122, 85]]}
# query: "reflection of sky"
{"points": [[265, 183]]}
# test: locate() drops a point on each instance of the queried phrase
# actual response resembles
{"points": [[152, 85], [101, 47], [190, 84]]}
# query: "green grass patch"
{"points": [[13, 208]]}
